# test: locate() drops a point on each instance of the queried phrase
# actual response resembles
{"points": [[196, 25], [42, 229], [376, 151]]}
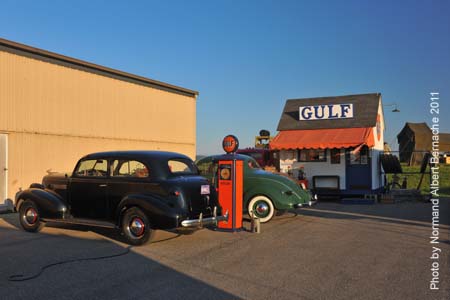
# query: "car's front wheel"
{"points": [[262, 208], [29, 216], [136, 227]]}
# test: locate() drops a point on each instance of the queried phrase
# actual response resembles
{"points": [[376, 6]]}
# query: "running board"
{"points": [[79, 221]]}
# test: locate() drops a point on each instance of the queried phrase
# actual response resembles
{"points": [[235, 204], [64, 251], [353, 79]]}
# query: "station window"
{"points": [[359, 157], [335, 156], [312, 155], [288, 155]]}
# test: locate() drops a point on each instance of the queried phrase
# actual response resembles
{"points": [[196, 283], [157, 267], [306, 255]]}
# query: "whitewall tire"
{"points": [[262, 208]]}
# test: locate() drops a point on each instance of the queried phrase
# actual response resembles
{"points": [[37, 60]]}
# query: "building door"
{"points": [[358, 169], [3, 168]]}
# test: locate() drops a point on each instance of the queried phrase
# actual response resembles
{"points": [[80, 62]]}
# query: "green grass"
{"points": [[413, 179]]}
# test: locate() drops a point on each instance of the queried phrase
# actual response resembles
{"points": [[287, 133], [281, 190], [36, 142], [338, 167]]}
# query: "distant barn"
{"points": [[444, 146], [415, 139], [444, 142]]}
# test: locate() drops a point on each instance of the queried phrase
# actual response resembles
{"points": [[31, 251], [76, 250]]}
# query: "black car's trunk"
{"points": [[196, 201]]}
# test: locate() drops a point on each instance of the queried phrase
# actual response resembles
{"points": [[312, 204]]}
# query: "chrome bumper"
{"points": [[307, 204], [310, 203], [200, 222]]}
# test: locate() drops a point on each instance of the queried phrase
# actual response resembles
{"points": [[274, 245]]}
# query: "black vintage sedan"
{"points": [[135, 191]]}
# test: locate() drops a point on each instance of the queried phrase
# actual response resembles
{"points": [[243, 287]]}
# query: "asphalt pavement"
{"points": [[331, 251]]}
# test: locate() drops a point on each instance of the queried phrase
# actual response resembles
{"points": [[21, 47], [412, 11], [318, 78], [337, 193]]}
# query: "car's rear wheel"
{"points": [[29, 216], [262, 208], [136, 227]]}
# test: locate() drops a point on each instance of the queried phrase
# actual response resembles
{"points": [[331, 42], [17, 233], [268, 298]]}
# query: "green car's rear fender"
{"points": [[284, 194]]}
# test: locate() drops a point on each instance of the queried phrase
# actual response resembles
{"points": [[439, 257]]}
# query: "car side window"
{"points": [[130, 168], [181, 166], [253, 164], [206, 168], [92, 168]]}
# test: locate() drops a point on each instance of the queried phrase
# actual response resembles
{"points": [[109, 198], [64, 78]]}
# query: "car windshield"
{"points": [[182, 167], [253, 164], [255, 155]]}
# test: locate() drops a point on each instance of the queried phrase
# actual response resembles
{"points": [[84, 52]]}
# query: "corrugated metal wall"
{"points": [[55, 114]]}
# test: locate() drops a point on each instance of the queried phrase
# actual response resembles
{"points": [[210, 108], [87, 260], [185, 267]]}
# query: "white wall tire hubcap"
{"points": [[262, 208]]}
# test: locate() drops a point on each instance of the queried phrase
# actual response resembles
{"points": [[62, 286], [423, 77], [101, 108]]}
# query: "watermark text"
{"points": [[434, 191]]}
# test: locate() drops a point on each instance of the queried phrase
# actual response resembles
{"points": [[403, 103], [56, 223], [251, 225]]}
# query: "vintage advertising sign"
{"points": [[326, 112], [230, 144]]}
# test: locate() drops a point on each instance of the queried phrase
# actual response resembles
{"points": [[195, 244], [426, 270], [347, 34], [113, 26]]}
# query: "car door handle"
{"points": [[103, 185]]}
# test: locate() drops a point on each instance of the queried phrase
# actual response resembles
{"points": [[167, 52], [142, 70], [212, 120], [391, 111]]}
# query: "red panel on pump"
{"points": [[239, 192], [230, 184]]}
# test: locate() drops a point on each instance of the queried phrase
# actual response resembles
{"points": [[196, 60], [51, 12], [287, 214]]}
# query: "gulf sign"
{"points": [[326, 112], [230, 144]]}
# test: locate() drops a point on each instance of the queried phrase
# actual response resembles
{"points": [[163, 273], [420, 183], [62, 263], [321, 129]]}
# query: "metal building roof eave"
{"points": [[94, 67]]}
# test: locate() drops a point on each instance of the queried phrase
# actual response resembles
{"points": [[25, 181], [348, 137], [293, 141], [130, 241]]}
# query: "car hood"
{"points": [[55, 177]]}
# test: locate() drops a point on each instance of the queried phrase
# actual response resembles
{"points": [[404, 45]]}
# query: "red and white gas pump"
{"points": [[230, 180]]}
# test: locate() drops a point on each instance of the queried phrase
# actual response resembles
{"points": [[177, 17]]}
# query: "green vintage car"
{"points": [[264, 192]]}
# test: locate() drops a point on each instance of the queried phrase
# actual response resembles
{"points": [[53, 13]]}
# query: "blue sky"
{"points": [[247, 57]]}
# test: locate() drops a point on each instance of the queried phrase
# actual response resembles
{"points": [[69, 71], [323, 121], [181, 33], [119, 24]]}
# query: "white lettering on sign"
{"points": [[326, 112]]}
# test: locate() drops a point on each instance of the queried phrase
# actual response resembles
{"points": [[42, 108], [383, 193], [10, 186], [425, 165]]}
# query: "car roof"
{"points": [[252, 150], [138, 154], [227, 157]]}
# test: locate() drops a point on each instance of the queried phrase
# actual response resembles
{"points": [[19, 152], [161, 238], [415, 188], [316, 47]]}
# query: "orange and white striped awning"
{"points": [[323, 138]]}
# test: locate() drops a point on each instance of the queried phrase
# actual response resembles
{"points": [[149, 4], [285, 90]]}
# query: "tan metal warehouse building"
{"points": [[55, 109]]}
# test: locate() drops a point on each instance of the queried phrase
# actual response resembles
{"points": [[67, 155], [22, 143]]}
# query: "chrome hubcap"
{"points": [[31, 216], [137, 227], [262, 208]]}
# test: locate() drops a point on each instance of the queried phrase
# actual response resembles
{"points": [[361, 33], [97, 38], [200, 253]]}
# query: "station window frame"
{"points": [[361, 157], [335, 156], [312, 155]]}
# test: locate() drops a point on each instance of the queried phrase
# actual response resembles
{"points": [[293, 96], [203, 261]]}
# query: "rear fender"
{"points": [[50, 204], [276, 191], [262, 192], [160, 214], [273, 191]]}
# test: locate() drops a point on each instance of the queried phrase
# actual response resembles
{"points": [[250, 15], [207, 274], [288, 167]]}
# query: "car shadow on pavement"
{"points": [[87, 266], [412, 213], [113, 234]]}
